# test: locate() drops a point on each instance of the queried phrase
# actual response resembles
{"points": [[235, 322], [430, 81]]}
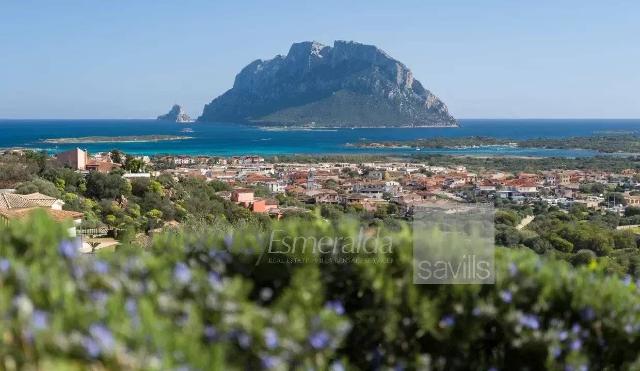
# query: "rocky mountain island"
{"points": [[347, 85], [176, 114]]}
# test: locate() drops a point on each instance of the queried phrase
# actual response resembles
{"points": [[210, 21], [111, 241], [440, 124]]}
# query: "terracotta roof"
{"points": [[38, 199], [14, 201], [57, 215], [38, 196], [18, 201]]}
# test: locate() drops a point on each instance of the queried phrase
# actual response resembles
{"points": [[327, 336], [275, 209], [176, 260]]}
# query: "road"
{"points": [[525, 221]]}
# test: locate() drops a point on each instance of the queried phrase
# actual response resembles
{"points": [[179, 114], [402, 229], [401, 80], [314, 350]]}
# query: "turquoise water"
{"points": [[235, 139]]}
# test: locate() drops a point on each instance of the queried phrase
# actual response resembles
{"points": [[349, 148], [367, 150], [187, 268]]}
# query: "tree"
{"points": [[583, 257], [156, 187], [38, 158], [538, 244], [41, 186], [506, 235], [106, 186], [117, 156], [589, 236], [506, 217], [218, 185], [624, 240], [133, 164], [560, 243], [632, 211], [154, 218]]}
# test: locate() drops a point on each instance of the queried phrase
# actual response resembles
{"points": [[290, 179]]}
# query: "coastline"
{"points": [[335, 128], [118, 139]]}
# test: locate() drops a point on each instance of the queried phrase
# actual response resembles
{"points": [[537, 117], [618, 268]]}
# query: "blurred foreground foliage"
{"points": [[210, 301]]}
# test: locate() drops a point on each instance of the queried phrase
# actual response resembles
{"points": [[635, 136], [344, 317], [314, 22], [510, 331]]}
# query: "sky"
{"points": [[484, 59]]}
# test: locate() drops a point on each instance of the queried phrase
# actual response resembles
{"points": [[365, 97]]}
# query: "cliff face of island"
{"points": [[347, 85], [176, 114]]}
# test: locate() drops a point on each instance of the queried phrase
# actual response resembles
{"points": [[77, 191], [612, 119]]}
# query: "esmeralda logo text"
{"points": [[366, 242]]}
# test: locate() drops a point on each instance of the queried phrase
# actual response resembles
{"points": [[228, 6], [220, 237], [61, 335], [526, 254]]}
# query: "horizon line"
{"points": [[155, 119]]}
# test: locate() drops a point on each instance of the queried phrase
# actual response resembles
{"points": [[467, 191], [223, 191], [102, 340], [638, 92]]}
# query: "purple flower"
{"points": [[4, 265], [319, 340], [210, 333], [244, 340], [556, 352], [513, 269], [530, 321], [220, 255], [270, 338], [575, 328], [103, 337], [182, 273], [447, 321], [562, 335], [269, 362], [68, 249], [506, 296], [337, 366], [39, 319], [336, 306], [228, 241], [131, 307], [214, 278], [627, 280], [99, 297], [588, 313], [100, 267], [91, 347], [576, 344], [77, 271]]}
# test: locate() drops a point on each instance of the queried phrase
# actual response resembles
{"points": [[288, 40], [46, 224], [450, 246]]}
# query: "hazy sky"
{"points": [[485, 59]]}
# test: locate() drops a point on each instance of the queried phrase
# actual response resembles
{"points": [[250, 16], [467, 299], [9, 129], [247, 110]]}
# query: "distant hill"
{"points": [[176, 114], [347, 85]]}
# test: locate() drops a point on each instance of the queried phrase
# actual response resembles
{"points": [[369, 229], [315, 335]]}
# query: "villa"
{"points": [[15, 206]]}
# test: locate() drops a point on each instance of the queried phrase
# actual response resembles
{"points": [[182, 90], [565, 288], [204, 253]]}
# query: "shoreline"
{"points": [[335, 128], [120, 139]]}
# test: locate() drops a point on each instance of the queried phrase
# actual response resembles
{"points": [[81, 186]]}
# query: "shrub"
{"points": [[39, 185], [209, 301]]}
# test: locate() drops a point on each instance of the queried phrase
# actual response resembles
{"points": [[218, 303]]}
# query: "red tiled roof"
{"points": [[57, 215]]}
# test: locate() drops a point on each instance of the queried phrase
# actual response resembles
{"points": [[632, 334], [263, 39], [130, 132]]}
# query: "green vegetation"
{"points": [[579, 236], [610, 143], [204, 301], [437, 142]]}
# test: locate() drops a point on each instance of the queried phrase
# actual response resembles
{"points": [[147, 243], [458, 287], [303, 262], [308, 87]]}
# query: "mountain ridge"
{"points": [[346, 85]]}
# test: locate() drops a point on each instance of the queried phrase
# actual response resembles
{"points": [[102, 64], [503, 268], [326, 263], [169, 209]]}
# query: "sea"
{"points": [[229, 139]]}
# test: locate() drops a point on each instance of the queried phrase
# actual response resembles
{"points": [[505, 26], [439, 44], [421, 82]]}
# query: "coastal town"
{"points": [[398, 187]]}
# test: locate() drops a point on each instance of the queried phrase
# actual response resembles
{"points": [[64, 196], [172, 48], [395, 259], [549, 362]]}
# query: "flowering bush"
{"points": [[207, 301]]}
